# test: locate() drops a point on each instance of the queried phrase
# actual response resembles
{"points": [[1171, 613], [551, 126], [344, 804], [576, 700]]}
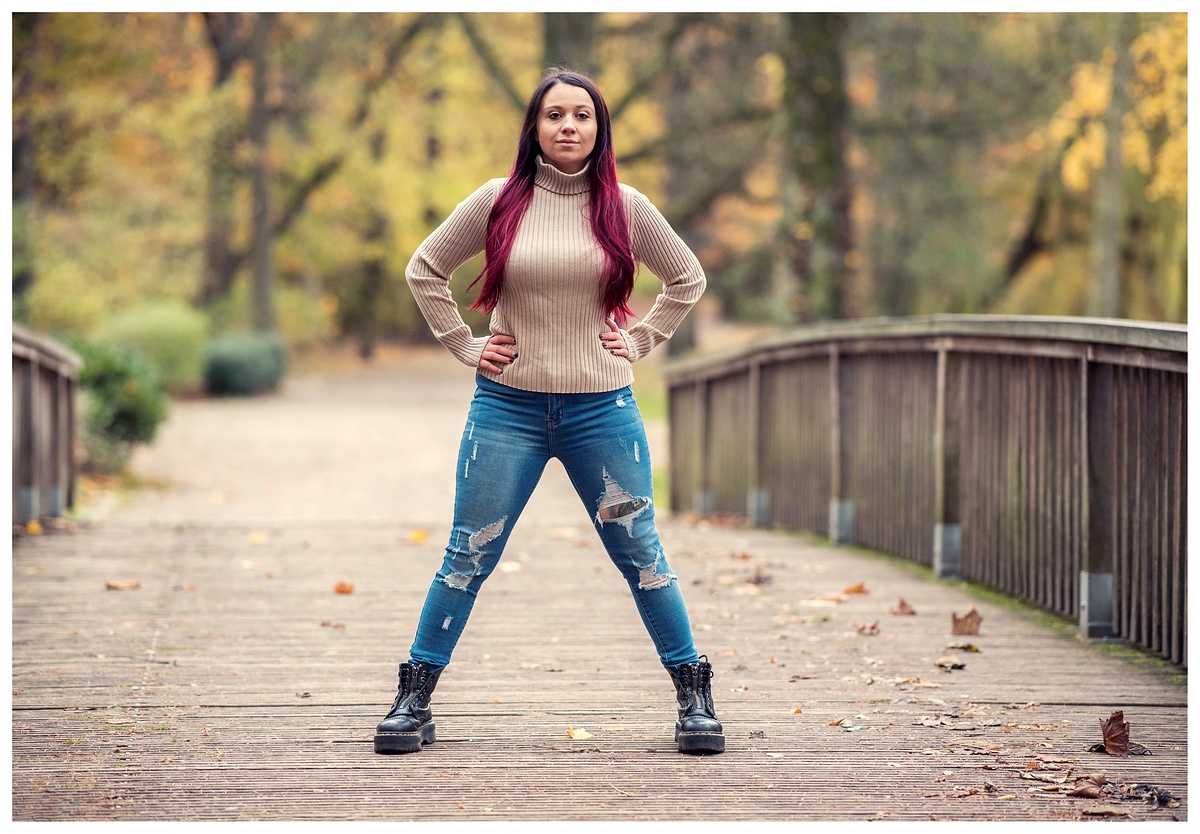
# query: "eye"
{"points": [[584, 115]]}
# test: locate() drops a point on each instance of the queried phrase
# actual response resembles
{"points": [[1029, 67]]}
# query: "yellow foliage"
{"points": [[772, 73], [1154, 131]]}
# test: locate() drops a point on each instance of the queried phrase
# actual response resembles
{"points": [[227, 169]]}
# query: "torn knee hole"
{"points": [[618, 506], [465, 568]]}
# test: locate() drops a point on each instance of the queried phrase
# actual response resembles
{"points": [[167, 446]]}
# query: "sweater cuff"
{"points": [[467, 350], [640, 340]]}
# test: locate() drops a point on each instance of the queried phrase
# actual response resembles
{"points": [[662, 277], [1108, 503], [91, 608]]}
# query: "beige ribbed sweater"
{"points": [[551, 298]]}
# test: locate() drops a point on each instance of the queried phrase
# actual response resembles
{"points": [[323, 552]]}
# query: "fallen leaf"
{"points": [[1089, 786], [1116, 734], [903, 608], [131, 585], [1105, 812], [418, 536], [797, 711], [258, 538], [1160, 797], [916, 683], [966, 625], [495, 700], [860, 588], [33, 527], [343, 588], [964, 647], [869, 628], [578, 733], [760, 578], [949, 663], [835, 723]]}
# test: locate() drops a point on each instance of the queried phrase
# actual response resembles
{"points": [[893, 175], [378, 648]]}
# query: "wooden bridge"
{"points": [[219, 644]]}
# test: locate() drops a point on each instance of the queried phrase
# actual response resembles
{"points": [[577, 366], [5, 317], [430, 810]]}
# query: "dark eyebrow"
{"points": [[548, 107]]}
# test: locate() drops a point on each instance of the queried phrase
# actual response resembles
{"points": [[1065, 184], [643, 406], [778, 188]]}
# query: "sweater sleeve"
{"points": [[657, 245], [459, 238]]}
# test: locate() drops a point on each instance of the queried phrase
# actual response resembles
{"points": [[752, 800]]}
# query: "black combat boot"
{"points": [[410, 722], [698, 730]]}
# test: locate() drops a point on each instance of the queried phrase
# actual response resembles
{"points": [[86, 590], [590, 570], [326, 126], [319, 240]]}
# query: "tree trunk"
{"points": [[678, 175], [220, 264], [374, 267], [24, 150], [1109, 196], [570, 39], [264, 264], [824, 258]]}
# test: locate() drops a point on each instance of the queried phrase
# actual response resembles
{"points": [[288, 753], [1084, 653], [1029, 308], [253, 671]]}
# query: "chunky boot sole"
{"points": [[699, 742], [404, 742]]}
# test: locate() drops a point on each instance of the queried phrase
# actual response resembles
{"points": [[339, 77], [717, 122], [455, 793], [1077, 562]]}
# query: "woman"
{"points": [[561, 238]]}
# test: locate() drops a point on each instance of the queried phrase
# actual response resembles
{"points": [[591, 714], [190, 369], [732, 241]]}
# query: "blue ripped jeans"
{"points": [[599, 438]]}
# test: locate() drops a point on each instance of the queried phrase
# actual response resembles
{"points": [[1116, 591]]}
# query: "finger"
{"points": [[612, 325]]}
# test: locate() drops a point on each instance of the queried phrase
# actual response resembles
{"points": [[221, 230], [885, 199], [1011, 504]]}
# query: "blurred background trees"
{"points": [[274, 173]]}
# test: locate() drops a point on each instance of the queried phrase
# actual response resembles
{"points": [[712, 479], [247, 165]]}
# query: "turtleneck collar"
{"points": [[552, 179]]}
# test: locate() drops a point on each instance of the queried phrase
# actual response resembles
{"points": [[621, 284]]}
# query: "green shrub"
{"points": [[170, 335], [244, 363], [124, 404]]}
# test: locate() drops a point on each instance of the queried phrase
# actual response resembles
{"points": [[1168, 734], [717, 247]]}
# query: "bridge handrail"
{"points": [[1043, 456], [45, 376]]}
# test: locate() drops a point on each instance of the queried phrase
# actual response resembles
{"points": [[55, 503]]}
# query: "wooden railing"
{"points": [[44, 379], [1044, 457]]}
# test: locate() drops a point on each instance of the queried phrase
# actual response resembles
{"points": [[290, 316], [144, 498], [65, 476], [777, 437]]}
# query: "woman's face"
{"points": [[566, 127]]}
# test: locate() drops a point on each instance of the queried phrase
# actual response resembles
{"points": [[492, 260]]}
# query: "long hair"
{"points": [[609, 225]]}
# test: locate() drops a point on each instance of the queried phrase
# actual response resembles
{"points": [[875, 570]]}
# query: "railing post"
{"points": [[841, 510], [757, 498], [1096, 574], [702, 496], [947, 535]]}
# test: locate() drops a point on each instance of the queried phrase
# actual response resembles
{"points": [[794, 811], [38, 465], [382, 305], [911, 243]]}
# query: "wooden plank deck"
{"points": [[235, 685]]}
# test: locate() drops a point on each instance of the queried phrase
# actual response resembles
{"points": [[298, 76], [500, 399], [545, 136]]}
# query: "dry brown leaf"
{"points": [[578, 733], [131, 585], [860, 588], [797, 711], [870, 629], [343, 588], [837, 723], [949, 663], [1089, 786], [1116, 734], [966, 625], [903, 608], [34, 527], [964, 647]]}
